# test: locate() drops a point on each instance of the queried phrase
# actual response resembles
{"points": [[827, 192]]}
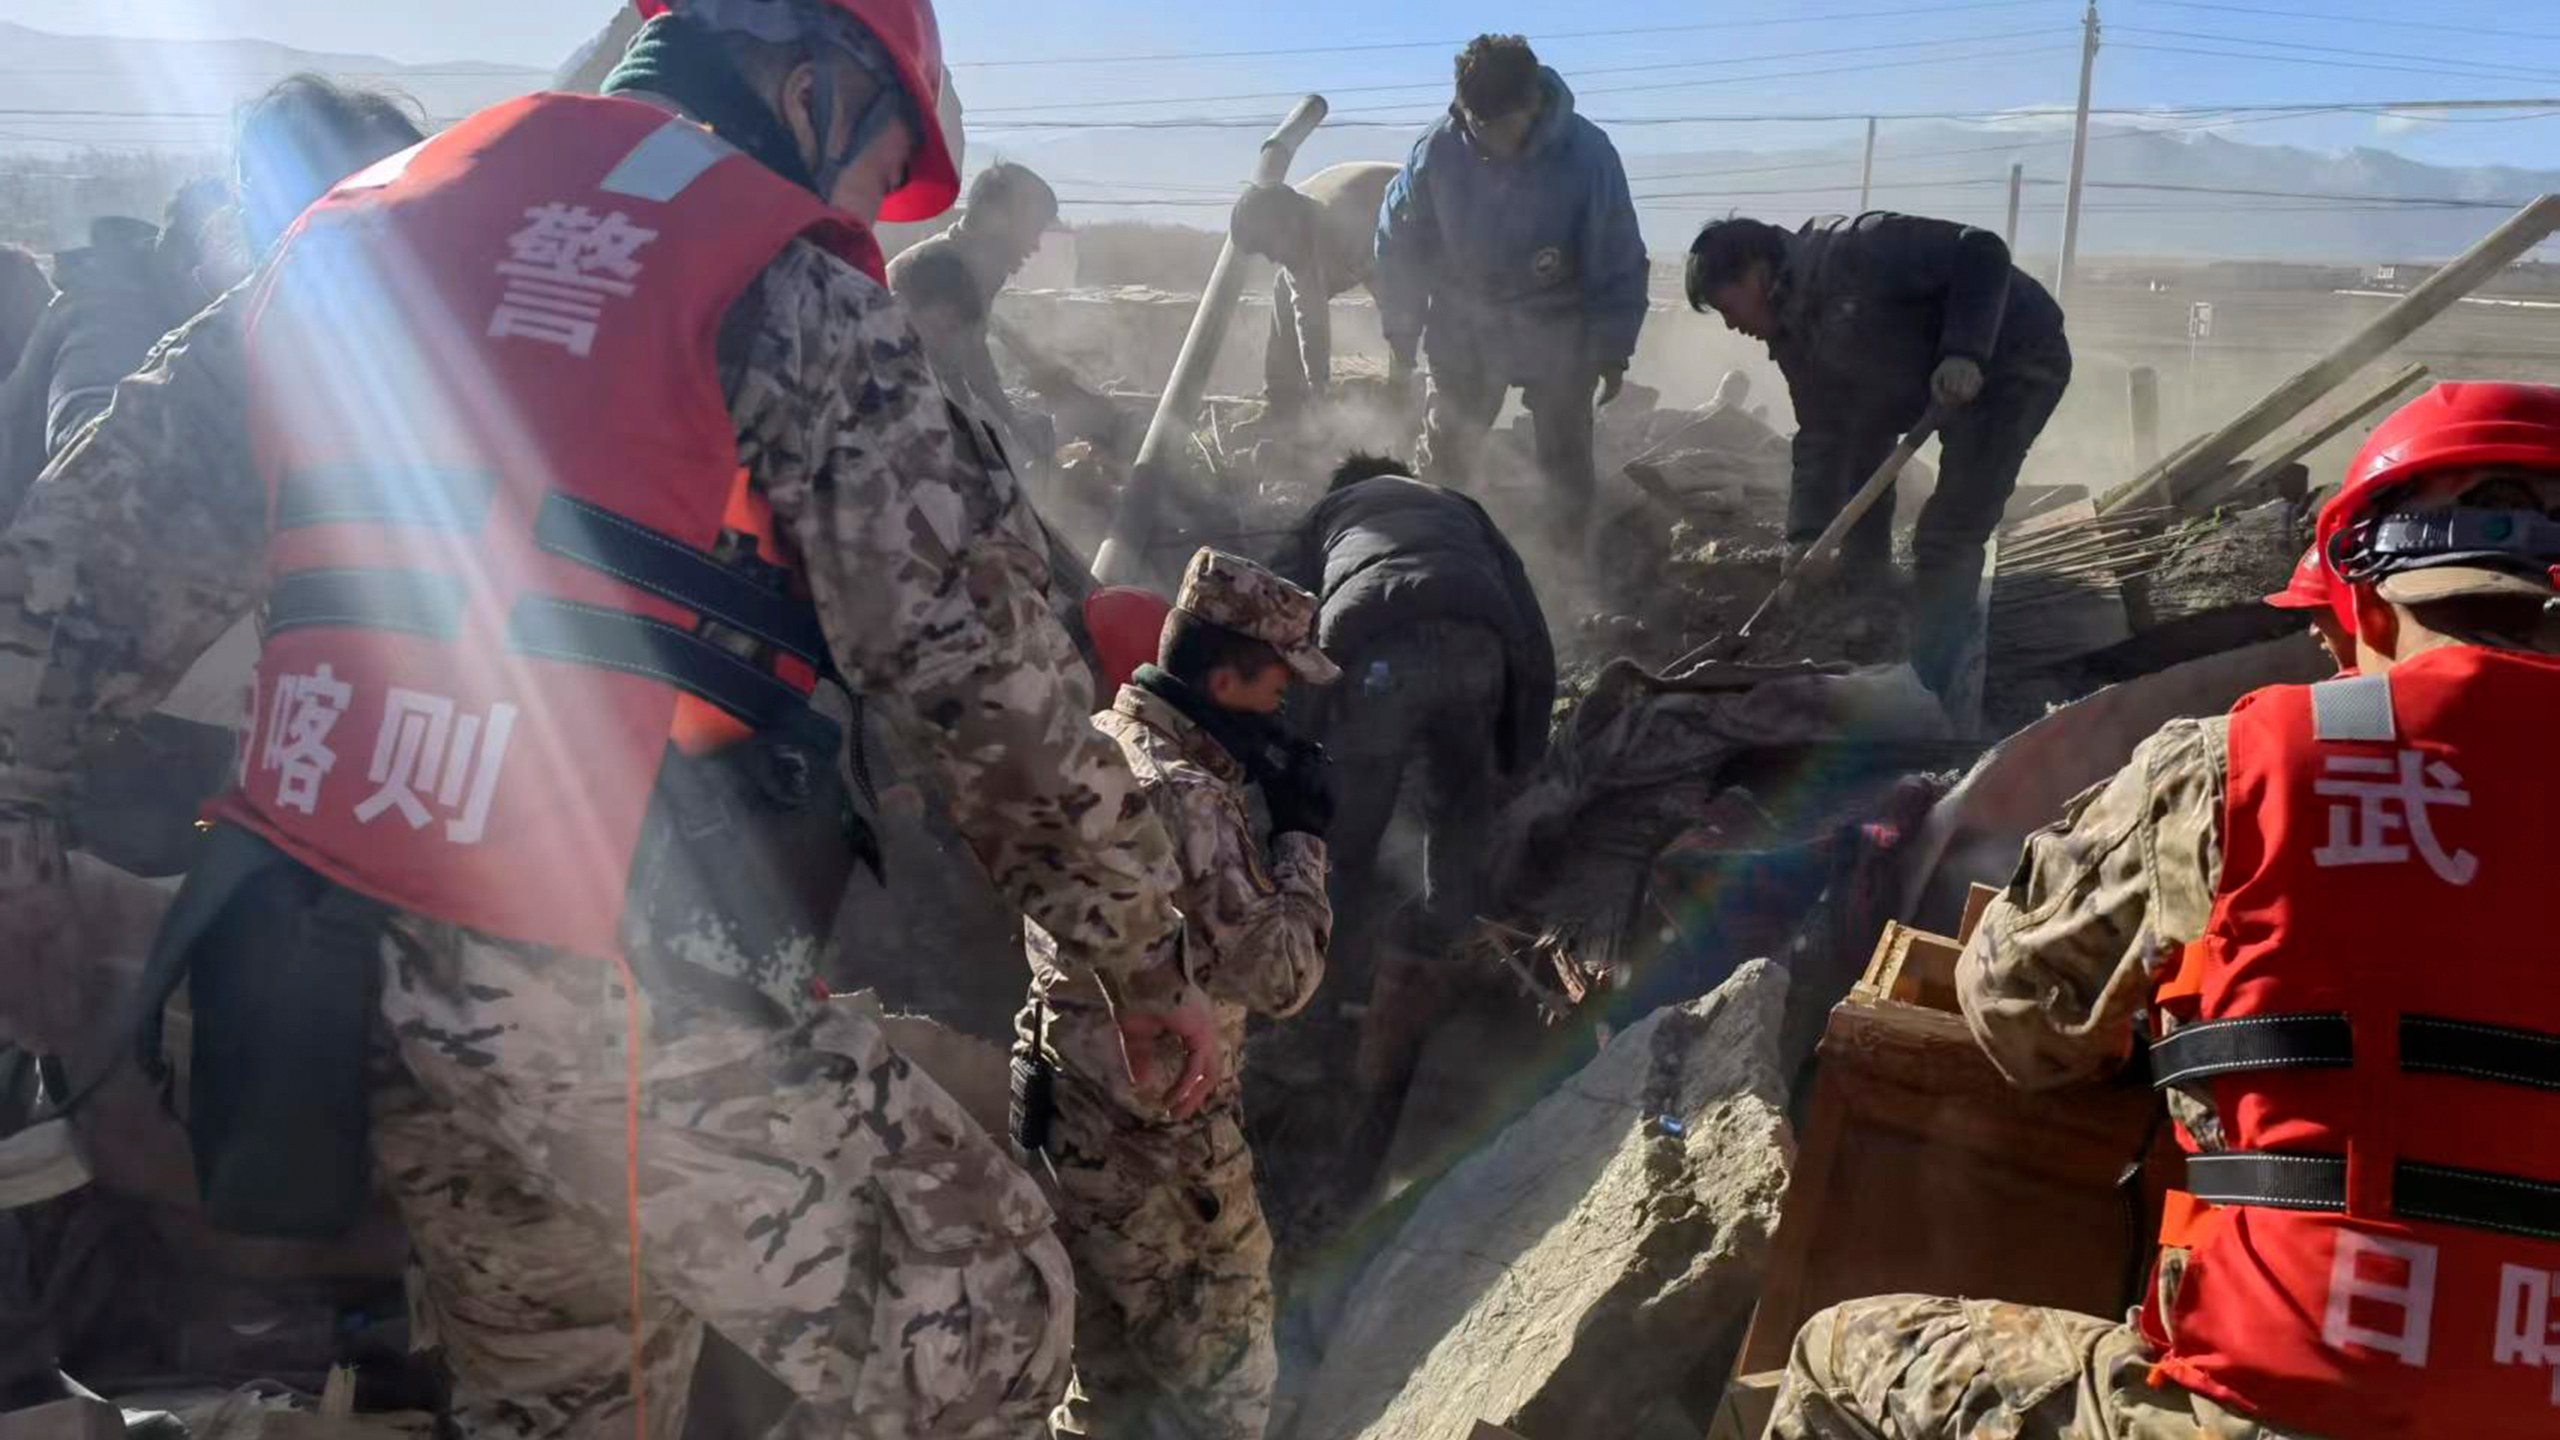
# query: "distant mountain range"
{"points": [[1959, 171], [2314, 206]]}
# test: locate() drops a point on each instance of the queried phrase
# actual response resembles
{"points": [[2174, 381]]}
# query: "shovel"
{"points": [[1817, 556]]}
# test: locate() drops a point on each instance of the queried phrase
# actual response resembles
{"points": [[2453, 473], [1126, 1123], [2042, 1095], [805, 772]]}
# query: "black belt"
{"points": [[666, 567], [2476, 1199], [2429, 1045]]}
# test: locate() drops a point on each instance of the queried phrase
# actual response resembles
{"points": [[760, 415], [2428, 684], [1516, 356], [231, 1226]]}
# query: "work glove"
{"points": [[1613, 378], [1956, 381], [1300, 793]]}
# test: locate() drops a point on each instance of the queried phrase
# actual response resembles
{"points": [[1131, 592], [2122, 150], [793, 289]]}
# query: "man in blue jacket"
{"points": [[1509, 246]]}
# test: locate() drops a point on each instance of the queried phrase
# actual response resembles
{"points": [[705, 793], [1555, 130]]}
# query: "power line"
{"points": [[1444, 84], [1239, 122], [2394, 67], [2436, 26], [2511, 71], [1187, 55], [2009, 147]]}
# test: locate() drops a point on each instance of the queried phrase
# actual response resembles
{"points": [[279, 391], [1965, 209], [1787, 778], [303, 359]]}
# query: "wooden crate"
{"points": [[1922, 1169]]}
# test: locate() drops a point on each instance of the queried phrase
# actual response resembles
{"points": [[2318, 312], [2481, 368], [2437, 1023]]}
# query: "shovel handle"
{"points": [[1827, 544]]}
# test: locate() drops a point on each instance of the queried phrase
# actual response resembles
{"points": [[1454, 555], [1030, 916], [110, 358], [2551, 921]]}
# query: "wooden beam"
{"points": [[2209, 456], [2245, 479]]}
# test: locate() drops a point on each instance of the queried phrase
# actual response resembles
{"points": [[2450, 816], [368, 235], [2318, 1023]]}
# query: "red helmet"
{"points": [[2450, 427], [2309, 587], [906, 30], [1127, 625]]}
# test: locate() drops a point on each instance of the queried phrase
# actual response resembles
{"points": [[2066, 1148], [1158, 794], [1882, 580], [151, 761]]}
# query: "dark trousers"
{"points": [[1414, 716], [1464, 406], [1983, 445]]}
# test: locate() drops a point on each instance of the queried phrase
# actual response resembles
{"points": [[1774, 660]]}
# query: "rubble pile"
{"points": [[1594, 1259]]}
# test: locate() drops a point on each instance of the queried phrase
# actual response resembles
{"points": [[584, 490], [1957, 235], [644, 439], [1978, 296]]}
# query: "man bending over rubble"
{"points": [[1172, 1255], [2328, 914], [1452, 677], [1324, 237], [949, 283], [1509, 249], [1873, 320]]}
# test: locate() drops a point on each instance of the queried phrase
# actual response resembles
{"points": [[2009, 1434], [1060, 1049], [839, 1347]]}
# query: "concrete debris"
{"points": [[1594, 1258]]}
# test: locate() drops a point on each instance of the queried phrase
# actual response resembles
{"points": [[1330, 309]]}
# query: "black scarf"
{"points": [[1258, 742], [677, 58]]}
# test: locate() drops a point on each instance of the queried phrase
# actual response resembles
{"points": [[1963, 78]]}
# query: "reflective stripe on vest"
{"points": [[506, 569], [2375, 1251]]}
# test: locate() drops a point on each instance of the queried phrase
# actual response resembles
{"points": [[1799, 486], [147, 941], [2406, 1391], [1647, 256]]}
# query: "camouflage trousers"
{"points": [[1903, 1367], [801, 1188], [1173, 1271]]}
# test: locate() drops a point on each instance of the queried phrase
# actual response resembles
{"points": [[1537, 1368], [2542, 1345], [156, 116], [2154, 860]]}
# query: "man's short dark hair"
{"points": [[1006, 184], [1497, 75], [1360, 465], [1725, 251], [1268, 217], [307, 133], [1191, 647]]}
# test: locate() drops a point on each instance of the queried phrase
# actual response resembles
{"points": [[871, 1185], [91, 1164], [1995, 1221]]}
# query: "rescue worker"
{"points": [[949, 285], [2307, 592], [1873, 321], [1431, 614], [1324, 237], [1172, 1255], [2329, 912], [594, 446], [1508, 250]]}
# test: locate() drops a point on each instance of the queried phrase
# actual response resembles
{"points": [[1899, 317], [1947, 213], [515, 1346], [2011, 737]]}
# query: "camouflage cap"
{"points": [[1231, 591]]}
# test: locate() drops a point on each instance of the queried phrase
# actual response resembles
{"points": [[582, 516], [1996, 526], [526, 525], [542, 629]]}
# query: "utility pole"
{"points": [[2017, 183], [2079, 155], [1867, 174]]}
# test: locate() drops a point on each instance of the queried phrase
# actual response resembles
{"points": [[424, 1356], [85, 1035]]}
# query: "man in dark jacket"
{"points": [[1872, 320], [1448, 675], [1509, 248], [950, 281]]}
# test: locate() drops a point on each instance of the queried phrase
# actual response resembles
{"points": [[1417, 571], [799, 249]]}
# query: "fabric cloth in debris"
{"points": [[145, 541], [1905, 1367], [1346, 198], [1524, 271], [1390, 553], [806, 1190], [1172, 1254]]}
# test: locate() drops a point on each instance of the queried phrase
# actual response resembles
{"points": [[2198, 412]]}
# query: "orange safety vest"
{"points": [[512, 554], [2375, 1250]]}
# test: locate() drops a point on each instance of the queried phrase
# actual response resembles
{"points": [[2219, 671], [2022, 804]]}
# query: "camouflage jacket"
{"points": [[143, 542], [2101, 903], [1256, 931]]}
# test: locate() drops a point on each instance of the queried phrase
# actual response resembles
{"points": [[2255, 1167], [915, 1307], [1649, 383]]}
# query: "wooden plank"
{"points": [[1976, 900], [1916, 1163], [1743, 1413], [2206, 457]]}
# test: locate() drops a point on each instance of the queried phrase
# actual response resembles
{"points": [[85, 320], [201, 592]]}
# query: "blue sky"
{"points": [[1960, 54]]}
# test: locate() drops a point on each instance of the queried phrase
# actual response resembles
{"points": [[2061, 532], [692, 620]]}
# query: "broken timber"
{"points": [[2205, 459]]}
